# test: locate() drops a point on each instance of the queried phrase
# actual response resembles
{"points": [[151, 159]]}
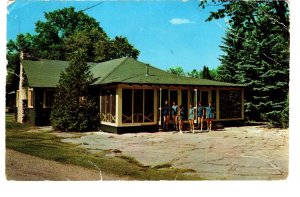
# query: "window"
{"points": [[108, 105], [230, 104], [126, 106], [48, 98], [149, 106], [30, 98], [184, 100], [137, 106]]}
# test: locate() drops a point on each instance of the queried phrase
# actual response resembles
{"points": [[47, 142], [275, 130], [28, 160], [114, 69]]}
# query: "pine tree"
{"points": [[285, 114], [205, 73], [256, 53], [74, 109]]}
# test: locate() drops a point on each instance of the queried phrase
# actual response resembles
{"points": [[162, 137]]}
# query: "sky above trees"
{"points": [[167, 33]]}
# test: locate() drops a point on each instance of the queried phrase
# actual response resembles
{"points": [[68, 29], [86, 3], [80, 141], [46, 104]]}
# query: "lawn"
{"points": [[48, 146]]}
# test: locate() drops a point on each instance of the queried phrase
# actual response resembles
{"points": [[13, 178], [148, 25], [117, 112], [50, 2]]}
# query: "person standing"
{"points": [[166, 113], [175, 114], [200, 115], [181, 118], [191, 118], [209, 116]]}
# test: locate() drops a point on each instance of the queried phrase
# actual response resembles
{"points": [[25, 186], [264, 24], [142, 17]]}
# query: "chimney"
{"points": [[147, 70]]}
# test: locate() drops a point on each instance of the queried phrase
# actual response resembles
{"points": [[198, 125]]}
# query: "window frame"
{"points": [[30, 98]]}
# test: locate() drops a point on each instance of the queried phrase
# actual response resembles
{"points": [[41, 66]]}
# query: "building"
{"points": [[129, 92]]}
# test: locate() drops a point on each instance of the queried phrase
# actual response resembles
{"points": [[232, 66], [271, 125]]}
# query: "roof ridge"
{"points": [[126, 58]]}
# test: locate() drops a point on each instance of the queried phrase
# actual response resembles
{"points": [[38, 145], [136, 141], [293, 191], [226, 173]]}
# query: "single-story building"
{"points": [[130, 93]]}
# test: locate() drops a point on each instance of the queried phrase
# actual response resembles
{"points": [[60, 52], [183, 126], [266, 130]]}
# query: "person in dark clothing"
{"points": [[200, 115], [166, 114], [209, 115], [175, 114]]}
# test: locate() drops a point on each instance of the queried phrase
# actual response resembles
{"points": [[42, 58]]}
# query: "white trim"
{"points": [[108, 123], [137, 124], [31, 98]]}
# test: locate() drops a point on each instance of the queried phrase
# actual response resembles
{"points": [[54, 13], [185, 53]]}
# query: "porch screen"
{"points": [[149, 106], [137, 106], [108, 106], [230, 104], [126, 106]]}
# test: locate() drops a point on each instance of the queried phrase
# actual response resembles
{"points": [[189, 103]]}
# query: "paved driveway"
{"points": [[236, 153]]}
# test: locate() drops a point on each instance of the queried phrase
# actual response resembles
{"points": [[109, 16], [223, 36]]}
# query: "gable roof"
{"points": [[46, 73]]}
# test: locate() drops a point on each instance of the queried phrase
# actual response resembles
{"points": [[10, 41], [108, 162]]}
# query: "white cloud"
{"points": [[180, 21], [184, 1]]}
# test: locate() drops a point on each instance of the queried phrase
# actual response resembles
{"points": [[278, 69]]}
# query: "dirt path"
{"points": [[23, 167]]}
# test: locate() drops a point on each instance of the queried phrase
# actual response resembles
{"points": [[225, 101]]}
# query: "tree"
{"points": [[205, 73], [256, 53], [194, 73], [176, 71], [65, 31], [60, 24], [285, 114], [74, 108]]}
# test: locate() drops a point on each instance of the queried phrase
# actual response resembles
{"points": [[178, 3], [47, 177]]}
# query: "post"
{"points": [[155, 106], [160, 95], [217, 105], [243, 97], [119, 106]]}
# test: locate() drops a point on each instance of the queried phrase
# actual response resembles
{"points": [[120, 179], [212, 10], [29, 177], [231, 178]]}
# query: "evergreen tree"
{"points": [[205, 73], [285, 114], [74, 108], [256, 53]]}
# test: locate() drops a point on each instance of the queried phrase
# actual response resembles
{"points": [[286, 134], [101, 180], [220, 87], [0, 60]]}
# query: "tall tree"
{"points": [[66, 30], [77, 111], [60, 24], [256, 53]]}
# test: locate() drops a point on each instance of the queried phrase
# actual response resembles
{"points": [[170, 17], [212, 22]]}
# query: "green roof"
{"points": [[46, 73]]}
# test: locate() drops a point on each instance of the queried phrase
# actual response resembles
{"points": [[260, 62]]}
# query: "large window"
{"points": [[230, 104], [108, 106], [184, 100], [149, 106], [126, 106], [137, 106], [48, 98]]}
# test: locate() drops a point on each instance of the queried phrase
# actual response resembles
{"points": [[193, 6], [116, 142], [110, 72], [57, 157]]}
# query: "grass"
{"points": [[48, 146]]}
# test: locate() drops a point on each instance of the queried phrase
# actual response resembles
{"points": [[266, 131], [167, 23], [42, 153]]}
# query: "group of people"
{"points": [[178, 116]]}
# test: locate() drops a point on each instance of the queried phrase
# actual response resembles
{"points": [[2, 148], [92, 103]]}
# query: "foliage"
{"points": [[63, 32], [205, 73], [177, 71], [74, 108], [194, 73], [202, 74], [256, 53]]}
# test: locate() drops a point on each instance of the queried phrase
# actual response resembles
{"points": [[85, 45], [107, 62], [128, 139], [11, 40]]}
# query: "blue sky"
{"points": [[167, 33]]}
